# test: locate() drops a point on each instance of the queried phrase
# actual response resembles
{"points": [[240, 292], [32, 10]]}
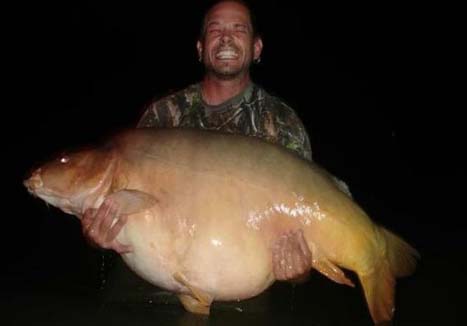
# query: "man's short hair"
{"points": [[246, 4]]}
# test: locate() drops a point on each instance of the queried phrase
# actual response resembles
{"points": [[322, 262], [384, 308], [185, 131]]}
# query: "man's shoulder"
{"points": [[185, 95], [166, 111], [271, 101]]}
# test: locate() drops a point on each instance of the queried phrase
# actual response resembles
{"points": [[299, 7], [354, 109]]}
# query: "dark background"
{"points": [[376, 85]]}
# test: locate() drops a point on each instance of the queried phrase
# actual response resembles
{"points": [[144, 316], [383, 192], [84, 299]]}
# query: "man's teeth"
{"points": [[226, 55]]}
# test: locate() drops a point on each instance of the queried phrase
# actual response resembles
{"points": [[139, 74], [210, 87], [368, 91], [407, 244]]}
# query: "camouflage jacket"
{"points": [[253, 112]]}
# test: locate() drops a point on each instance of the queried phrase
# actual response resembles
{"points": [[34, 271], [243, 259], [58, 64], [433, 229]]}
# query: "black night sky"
{"points": [[375, 85]]}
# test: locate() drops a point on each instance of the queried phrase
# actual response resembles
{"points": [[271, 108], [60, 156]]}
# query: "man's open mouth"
{"points": [[226, 54]]}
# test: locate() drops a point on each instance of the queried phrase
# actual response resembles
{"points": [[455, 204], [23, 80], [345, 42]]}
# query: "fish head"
{"points": [[72, 181]]}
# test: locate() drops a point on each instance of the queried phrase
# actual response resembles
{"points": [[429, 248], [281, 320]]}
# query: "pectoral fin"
{"points": [[326, 267], [332, 271], [197, 301], [132, 201]]}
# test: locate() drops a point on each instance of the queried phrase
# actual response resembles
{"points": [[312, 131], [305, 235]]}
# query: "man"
{"points": [[226, 100]]}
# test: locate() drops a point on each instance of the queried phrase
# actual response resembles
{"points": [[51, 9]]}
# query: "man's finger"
{"points": [[121, 248], [275, 265], [107, 220], [299, 266], [279, 262], [283, 256], [102, 214], [115, 230], [289, 251], [87, 218], [304, 247]]}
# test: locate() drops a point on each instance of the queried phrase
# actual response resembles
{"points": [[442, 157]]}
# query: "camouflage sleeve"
{"points": [[150, 117], [161, 113], [291, 132]]}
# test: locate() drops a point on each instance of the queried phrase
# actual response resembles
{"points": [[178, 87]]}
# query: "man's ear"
{"points": [[199, 47], [257, 48]]}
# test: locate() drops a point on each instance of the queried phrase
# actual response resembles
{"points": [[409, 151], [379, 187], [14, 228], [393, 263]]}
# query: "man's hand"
{"points": [[100, 230], [291, 257]]}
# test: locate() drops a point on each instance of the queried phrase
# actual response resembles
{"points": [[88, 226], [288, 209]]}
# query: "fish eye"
{"points": [[64, 159]]}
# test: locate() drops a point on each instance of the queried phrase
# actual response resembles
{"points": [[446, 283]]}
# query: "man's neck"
{"points": [[216, 91]]}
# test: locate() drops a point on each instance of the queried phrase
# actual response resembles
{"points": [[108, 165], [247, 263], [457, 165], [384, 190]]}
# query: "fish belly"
{"points": [[225, 259]]}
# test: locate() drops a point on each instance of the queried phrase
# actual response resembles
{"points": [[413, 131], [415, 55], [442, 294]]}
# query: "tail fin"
{"points": [[401, 256], [398, 260]]}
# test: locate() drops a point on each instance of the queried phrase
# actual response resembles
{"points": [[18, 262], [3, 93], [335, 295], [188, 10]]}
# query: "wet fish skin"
{"points": [[205, 209]]}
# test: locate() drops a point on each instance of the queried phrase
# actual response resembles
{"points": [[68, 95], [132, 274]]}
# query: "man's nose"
{"points": [[226, 36]]}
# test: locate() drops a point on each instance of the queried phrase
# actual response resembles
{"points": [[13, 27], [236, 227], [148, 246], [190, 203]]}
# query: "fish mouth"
{"points": [[35, 187], [34, 182]]}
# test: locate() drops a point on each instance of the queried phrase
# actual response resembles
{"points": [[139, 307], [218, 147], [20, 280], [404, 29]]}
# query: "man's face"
{"points": [[228, 46]]}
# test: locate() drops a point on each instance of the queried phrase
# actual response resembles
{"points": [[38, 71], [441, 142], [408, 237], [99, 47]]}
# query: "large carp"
{"points": [[205, 209]]}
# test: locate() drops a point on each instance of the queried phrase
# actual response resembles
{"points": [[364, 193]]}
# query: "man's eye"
{"points": [[241, 29]]}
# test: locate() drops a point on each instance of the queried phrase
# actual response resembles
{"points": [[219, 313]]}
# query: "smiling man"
{"points": [[227, 46], [226, 100]]}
